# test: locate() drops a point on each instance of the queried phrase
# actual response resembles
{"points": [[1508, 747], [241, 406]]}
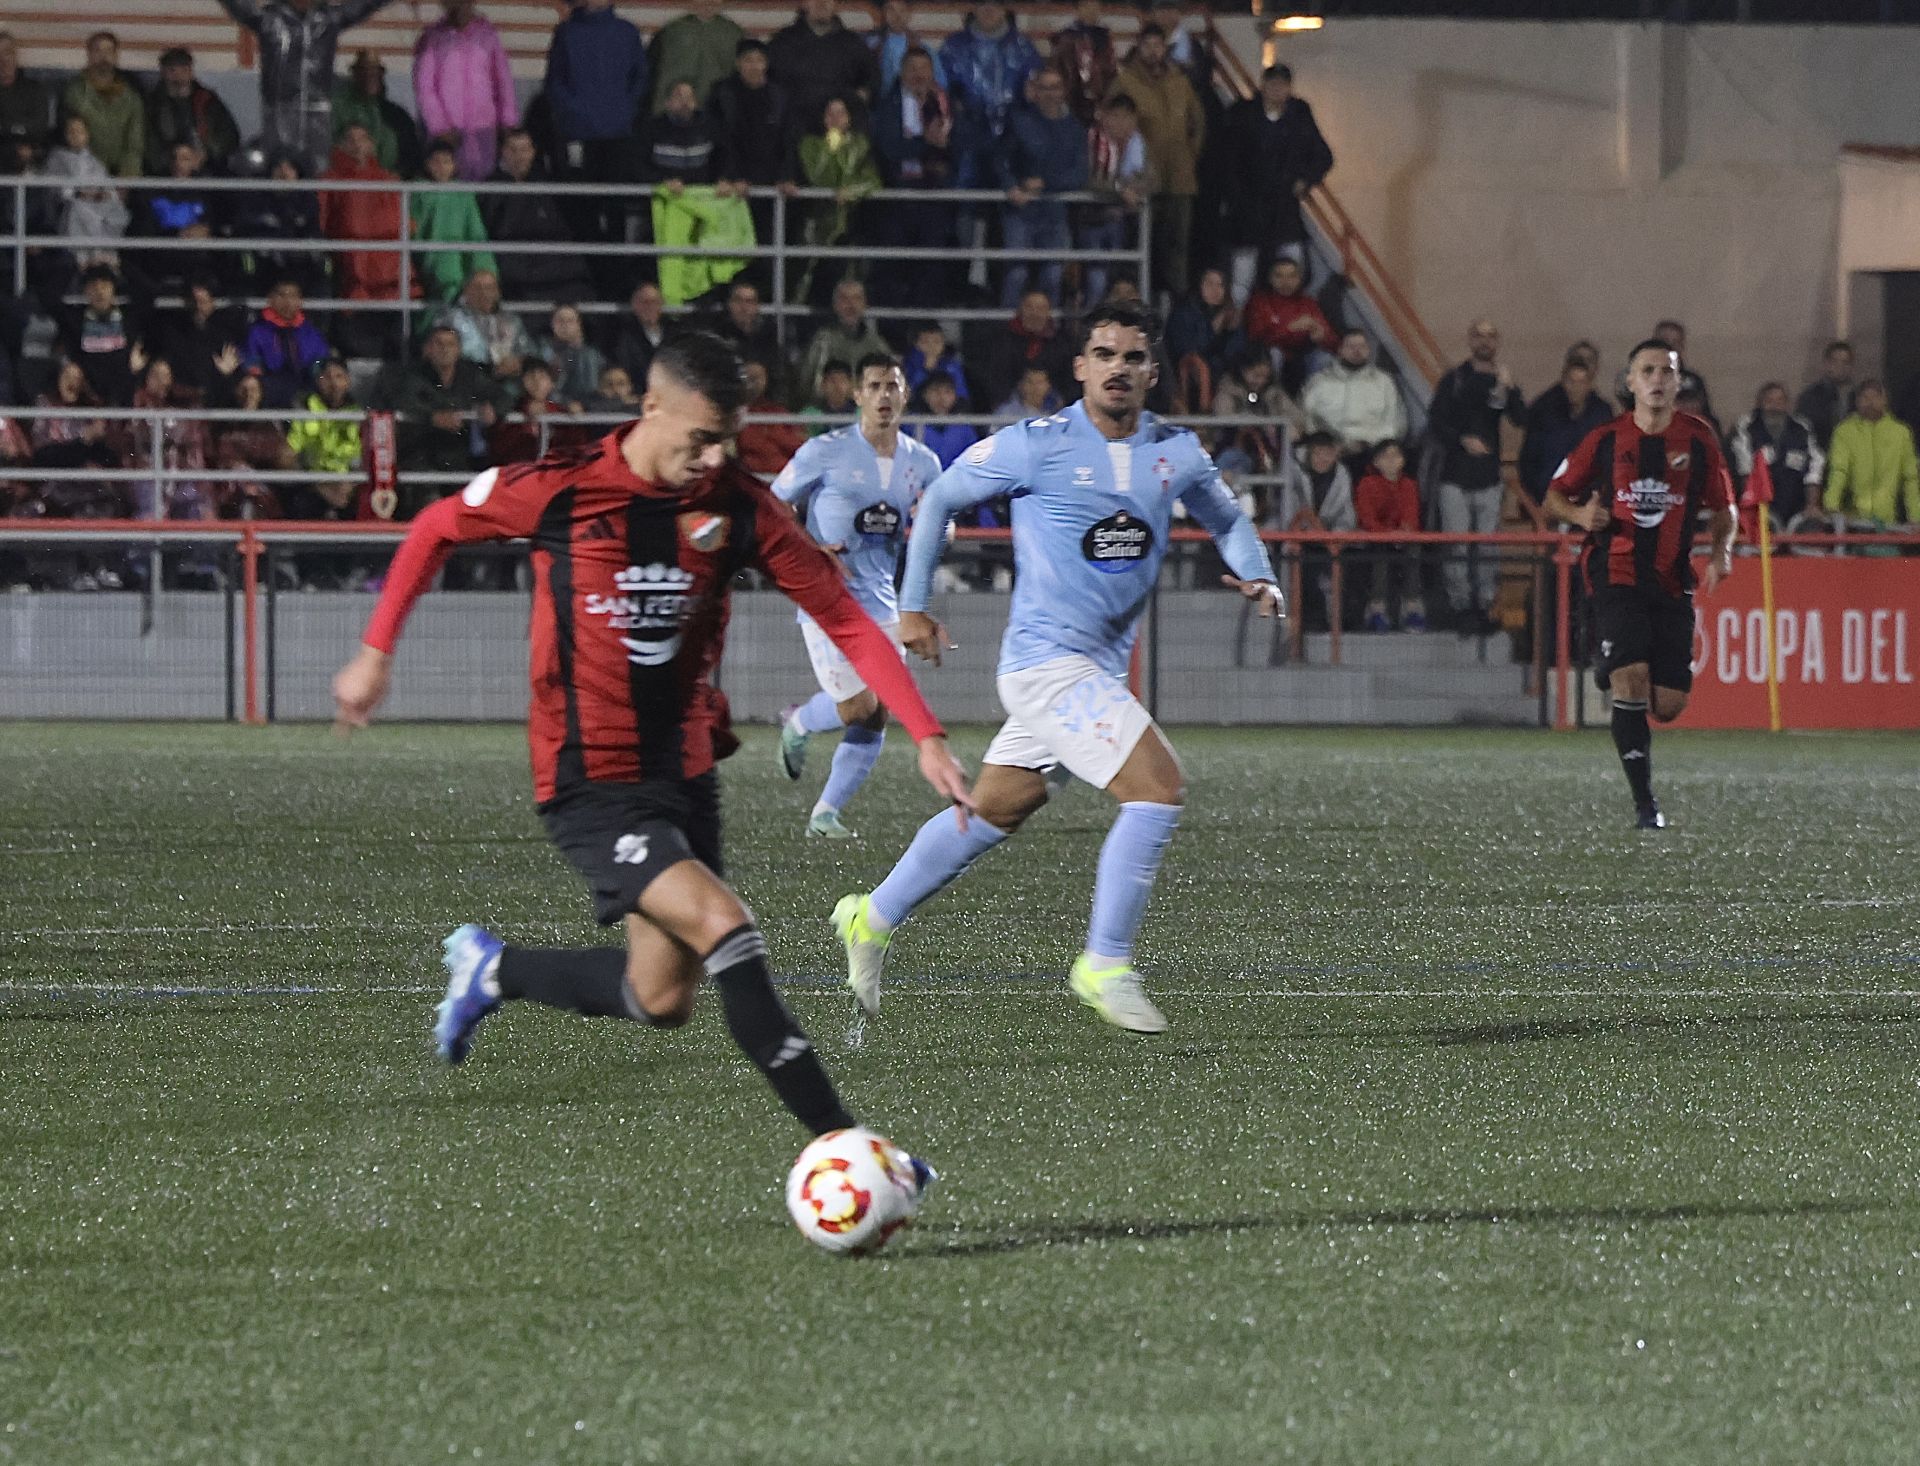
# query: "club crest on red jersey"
{"points": [[703, 529]]}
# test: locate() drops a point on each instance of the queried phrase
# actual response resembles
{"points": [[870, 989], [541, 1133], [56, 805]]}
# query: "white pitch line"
{"points": [[1017, 989]]}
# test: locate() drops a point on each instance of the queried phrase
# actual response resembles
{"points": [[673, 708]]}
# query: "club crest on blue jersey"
{"points": [[880, 519], [1116, 544]]}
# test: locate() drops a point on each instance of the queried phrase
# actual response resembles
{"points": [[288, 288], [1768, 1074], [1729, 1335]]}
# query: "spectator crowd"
{"points": [[1086, 139]]}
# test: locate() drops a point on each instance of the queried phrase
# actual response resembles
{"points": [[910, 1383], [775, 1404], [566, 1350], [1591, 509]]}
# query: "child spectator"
{"points": [[522, 442], [1032, 397], [576, 364], [931, 354], [279, 213], [1206, 323], [260, 445], [1388, 502], [614, 395], [284, 345], [834, 397], [447, 218], [89, 204], [1318, 495], [938, 398]]}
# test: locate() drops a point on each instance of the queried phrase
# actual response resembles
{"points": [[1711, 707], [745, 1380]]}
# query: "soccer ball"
{"points": [[851, 1190]]}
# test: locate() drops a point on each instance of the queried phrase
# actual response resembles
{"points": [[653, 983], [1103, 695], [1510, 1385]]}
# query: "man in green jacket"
{"points": [[697, 48], [115, 111], [1871, 471]]}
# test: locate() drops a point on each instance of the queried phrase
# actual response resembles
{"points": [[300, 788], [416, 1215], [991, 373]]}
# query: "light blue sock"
{"points": [[1128, 863], [937, 856], [818, 714], [853, 760]]}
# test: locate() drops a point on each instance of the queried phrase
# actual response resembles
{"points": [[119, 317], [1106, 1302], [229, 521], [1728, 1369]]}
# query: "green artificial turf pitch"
{"points": [[1488, 1129]]}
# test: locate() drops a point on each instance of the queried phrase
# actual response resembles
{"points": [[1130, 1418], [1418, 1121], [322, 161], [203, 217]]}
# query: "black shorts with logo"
{"points": [[1626, 624], [622, 837]]}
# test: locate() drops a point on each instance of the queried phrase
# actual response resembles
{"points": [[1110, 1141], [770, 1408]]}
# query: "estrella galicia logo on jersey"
{"points": [[1647, 500], [703, 531], [649, 601], [877, 519], [1117, 543]]}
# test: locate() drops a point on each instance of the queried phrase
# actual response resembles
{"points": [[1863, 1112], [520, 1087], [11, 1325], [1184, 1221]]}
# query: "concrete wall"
{"points": [[1587, 179]]}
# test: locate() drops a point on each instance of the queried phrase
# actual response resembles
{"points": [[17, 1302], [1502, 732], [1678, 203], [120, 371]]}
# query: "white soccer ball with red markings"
{"points": [[851, 1190]]}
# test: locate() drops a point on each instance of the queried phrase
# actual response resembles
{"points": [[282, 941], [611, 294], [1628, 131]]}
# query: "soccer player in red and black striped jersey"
{"points": [[1637, 486], [635, 540]]}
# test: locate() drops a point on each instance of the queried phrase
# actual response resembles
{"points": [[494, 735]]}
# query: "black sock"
{"points": [[591, 981], [1634, 738], [769, 1034]]}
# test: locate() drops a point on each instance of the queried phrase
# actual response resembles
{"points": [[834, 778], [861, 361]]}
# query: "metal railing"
{"points": [[785, 249]]}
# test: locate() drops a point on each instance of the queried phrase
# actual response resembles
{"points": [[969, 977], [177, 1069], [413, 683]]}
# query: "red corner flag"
{"points": [[1759, 488]]}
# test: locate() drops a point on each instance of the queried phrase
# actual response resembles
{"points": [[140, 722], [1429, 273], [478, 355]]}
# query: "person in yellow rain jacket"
{"points": [[1871, 470]]}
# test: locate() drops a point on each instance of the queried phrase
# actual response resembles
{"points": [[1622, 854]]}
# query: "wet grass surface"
{"points": [[1487, 1130]]}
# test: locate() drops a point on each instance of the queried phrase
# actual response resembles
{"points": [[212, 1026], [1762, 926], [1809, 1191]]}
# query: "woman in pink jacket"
{"points": [[464, 86]]}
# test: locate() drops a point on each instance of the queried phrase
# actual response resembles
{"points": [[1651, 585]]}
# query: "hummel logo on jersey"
{"points": [[640, 578], [790, 1050], [601, 529], [630, 850], [1606, 648], [1083, 477]]}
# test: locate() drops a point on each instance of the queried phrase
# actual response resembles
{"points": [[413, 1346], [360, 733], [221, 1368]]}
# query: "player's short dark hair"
{"points": [[836, 366], [885, 360], [750, 43], [1127, 314], [1279, 71], [702, 362], [1652, 343]]}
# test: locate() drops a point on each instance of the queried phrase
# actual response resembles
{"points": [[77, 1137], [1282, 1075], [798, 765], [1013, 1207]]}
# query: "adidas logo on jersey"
{"points": [[640, 578]]}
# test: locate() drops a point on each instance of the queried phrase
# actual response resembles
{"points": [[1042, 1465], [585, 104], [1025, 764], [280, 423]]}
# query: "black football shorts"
{"points": [[622, 837], [1627, 625]]}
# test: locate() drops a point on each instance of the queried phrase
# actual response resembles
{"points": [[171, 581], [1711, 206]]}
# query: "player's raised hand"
{"points": [[1271, 599], [941, 769], [923, 636], [359, 688]]}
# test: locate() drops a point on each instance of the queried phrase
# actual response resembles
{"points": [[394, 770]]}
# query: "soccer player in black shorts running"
{"points": [[635, 542], [1637, 486]]}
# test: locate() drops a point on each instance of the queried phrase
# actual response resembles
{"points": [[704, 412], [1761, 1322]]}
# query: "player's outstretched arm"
{"points": [[1210, 502], [494, 506], [990, 468]]}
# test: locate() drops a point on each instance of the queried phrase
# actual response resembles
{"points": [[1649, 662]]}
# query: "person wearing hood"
{"points": [[362, 215], [463, 85], [181, 110], [1791, 448], [1175, 127], [362, 98], [298, 42], [88, 205], [1085, 55], [1355, 401], [987, 62], [112, 105], [817, 58], [283, 345]]}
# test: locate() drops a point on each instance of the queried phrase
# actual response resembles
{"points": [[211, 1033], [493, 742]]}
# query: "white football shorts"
{"points": [[831, 668], [1068, 713]]}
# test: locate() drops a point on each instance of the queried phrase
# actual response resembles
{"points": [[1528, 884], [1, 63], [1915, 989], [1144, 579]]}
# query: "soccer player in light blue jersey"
{"points": [[1093, 491], [856, 489]]}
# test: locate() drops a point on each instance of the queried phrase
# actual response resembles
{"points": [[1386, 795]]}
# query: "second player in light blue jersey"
{"points": [[856, 488], [1093, 490]]}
